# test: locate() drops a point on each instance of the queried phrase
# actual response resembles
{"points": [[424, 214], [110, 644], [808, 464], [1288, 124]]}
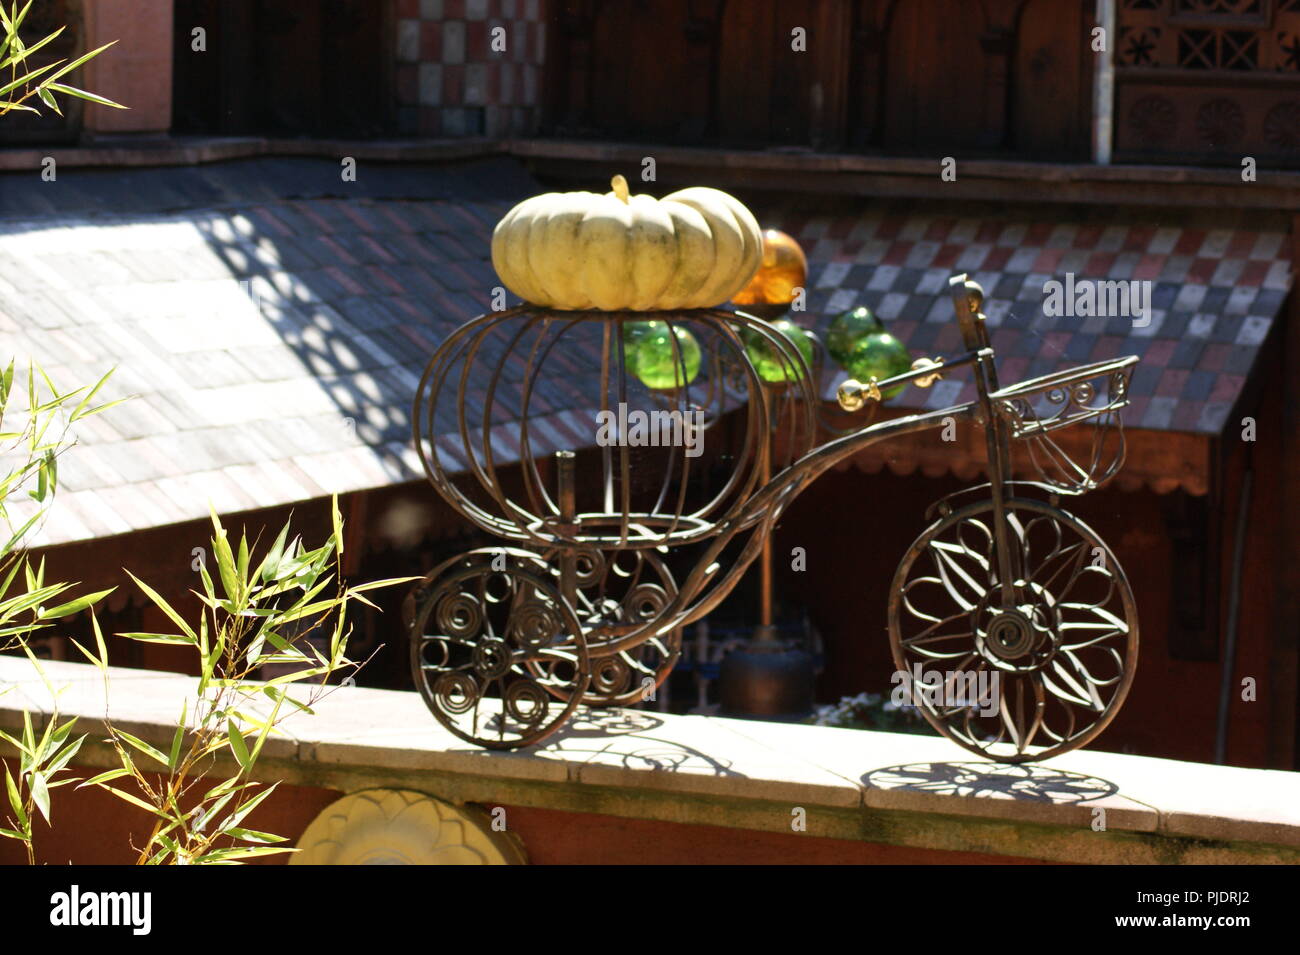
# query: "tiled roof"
{"points": [[1216, 289], [274, 332], [298, 382]]}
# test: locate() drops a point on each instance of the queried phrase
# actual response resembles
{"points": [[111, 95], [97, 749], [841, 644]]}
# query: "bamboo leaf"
{"points": [[174, 757], [225, 558], [237, 745], [48, 99], [40, 795], [105, 777], [157, 637], [128, 797], [165, 607], [220, 856], [77, 62], [253, 835], [238, 816], [75, 606], [15, 800], [77, 411], [92, 97], [22, 54], [143, 747]]}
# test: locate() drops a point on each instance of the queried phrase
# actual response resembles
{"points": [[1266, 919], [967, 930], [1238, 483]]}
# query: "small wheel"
{"points": [[619, 592], [635, 675], [497, 654], [1049, 667]]}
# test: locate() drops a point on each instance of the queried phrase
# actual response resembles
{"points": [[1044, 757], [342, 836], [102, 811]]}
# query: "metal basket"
{"points": [[1093, 394]]}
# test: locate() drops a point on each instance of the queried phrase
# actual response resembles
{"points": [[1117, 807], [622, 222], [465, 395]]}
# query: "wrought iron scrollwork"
{"points": [[1037, 674], [499, 657], [1093, 395]]}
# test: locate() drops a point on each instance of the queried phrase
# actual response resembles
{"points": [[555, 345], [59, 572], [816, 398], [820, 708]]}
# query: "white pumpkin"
{"points": [[578, 250]]}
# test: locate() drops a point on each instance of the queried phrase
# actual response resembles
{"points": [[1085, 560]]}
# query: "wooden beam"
{"points": [[843, 174], [1284, 749]]}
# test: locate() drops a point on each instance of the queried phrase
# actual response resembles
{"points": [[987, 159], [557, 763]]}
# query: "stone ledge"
{"points": [[126, 151], [875, 787], [827, 173]]}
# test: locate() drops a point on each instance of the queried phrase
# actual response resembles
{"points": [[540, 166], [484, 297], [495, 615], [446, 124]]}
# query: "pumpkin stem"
{"points": [[619, 185]]}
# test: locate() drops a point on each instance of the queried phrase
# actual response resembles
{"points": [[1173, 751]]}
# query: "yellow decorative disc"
{"points": [[402, 827]]}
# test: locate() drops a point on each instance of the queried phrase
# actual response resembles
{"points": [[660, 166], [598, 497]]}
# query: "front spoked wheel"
{"points": [[1020, 673]]}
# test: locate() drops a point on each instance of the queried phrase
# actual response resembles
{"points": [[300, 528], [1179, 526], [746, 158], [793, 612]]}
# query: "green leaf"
{"points": [[376, 584], [133, 800], [16, 23], [99, 643], [271, 562], [19, 56], [143, 747], [63, 757], [279, 695], [94, 98], [25, 80], [48, 99], [253, 835], [157, 637], [15, 800], [75, 606], [237, 745], [175, 756], [165, 607], [238, 816], [77, 62], [41, 795], [42, 481], [77, 411], [247, 852], [225, 558], [105, 777], [337, 520]]}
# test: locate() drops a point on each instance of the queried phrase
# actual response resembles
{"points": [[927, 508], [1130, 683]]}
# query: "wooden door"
{"points": [[935, 95], [283, 67]]}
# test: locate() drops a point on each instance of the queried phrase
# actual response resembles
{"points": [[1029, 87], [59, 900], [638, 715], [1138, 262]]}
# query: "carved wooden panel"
{"points": [[1208, 80]]}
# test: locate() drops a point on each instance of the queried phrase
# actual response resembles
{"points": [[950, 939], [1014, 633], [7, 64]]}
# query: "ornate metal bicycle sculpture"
{"points": [[578, 606]]}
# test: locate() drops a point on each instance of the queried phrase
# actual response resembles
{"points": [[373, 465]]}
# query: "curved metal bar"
{"points": [[764, 509]]}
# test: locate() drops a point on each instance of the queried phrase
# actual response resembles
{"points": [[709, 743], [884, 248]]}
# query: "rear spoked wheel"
{"points": [[497, 654], [617, 593]]}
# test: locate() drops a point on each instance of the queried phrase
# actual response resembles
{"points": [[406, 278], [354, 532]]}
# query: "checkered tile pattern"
{"points": [[1215, 294], [274, 344], [454, 78]]}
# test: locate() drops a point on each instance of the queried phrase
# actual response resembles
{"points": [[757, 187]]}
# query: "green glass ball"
{"points": [[649, 354], [771, 366], [879, 356], [849, 328]]}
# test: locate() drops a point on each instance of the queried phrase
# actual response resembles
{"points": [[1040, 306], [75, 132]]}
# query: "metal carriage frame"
{"points": [[1004, 589]]}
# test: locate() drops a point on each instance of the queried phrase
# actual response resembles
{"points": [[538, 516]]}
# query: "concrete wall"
{"points": [[635, 786], [136, 72]]}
